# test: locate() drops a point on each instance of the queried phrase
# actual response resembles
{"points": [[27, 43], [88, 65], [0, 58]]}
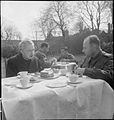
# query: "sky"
{"points": [[22, 13]]}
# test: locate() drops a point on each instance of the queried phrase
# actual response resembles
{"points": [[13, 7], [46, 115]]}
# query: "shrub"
{"points": [[8, 51]]}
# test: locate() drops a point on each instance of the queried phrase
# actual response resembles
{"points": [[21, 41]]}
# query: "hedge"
{"points": [[8, 51]]}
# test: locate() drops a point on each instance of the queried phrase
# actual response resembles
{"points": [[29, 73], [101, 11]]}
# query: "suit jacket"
{"points": [[100, 67], [17, 63]]}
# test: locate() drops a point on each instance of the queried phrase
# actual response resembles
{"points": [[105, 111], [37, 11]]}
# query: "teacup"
{"points": [[73, 77], [24, 81], [23, 73]]}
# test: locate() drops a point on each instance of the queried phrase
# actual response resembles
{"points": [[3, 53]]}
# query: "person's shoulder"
{"points": [[35, 58], [107, 55], [12, 58], [39, 53], [69, 54]]}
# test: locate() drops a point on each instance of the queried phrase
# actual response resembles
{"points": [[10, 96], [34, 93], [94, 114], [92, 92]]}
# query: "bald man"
{"points": [[24, 60], [97, 64]]}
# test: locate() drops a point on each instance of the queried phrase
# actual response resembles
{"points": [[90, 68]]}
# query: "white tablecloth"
{"points": [[90, 99]]}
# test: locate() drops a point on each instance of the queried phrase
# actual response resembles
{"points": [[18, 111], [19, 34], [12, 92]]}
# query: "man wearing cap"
{"points": [[66, 56], [41, 55]]}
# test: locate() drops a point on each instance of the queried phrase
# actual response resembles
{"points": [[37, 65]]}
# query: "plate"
{"points": [[35, 79], [20, 86], [19, 77], [56, 85], [54, 77], [77, 82]]}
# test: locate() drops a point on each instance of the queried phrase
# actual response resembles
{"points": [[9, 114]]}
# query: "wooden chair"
{"points": [[2, 114]]}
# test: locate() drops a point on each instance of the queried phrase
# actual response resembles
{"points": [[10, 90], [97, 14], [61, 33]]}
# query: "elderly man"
{"points": [[66, 56], [41, 55], [24, 60], [97, 64]]}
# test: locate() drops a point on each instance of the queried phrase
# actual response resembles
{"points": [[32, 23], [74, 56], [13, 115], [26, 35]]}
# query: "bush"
{"points": [[8, 51]]}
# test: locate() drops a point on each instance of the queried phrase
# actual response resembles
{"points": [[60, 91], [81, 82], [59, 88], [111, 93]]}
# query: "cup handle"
{"points": [[18, 73]]}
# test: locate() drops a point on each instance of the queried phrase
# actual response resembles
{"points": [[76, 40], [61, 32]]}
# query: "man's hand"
{"points": [[53, 61], [79, 71]]}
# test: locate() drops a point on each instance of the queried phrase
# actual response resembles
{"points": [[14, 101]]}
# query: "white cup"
{"points": [[23, 73], [24, 81], [73, 78]]}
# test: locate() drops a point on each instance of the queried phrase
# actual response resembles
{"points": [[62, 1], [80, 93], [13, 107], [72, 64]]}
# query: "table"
{"points": [[93, 98]]}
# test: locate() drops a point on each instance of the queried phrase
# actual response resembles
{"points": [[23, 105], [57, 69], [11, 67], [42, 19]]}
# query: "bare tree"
{"points": [[60, 14], [9, 31], [44, 25], [109, 4], [93, 13], [55, 16], [79, 25]]}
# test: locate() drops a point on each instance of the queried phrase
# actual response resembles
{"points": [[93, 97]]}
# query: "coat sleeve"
{"points": [[72, 58], [11, 69], [44, 64], [106, 73]]}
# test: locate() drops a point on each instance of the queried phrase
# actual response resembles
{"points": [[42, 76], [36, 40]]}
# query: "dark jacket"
{"points": [[100, 67], [17, 63], [42, 59]]}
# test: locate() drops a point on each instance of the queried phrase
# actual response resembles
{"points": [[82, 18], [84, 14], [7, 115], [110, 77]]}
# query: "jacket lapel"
{"points": [[93, 61]]}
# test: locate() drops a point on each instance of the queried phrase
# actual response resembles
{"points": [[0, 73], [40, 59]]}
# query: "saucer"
{"points": [[19, 77], [21, 87], [77, 82], [56, 85], [34, 79]]}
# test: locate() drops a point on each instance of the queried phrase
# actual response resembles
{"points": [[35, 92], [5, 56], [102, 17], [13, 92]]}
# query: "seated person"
{"points": [[97, 64], [41, 55], [66, 56], [24, 60]]}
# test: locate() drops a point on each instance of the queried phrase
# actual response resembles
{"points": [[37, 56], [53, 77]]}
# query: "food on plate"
{"points": [[33, 78], [48, 72]]}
